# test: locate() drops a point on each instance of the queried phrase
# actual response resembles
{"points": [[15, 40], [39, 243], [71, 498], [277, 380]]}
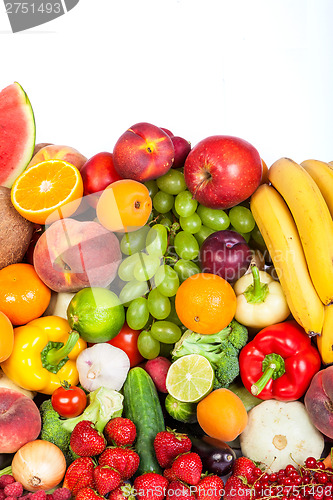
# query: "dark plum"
{"points": [[226, 254], [182, 148]]}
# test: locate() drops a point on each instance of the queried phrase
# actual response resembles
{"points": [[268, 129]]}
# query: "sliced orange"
{"points": [[48, 191]]}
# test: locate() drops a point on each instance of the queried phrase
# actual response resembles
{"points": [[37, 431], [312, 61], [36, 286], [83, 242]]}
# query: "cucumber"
{"points": [[142, 406]]}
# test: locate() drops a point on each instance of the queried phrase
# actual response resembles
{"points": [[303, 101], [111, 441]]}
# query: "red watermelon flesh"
{"points": [[17, 133]]}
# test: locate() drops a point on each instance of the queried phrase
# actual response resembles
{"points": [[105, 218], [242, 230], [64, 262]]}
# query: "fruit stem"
{"points": [[55, 354], [273, 367], [257, 291]]}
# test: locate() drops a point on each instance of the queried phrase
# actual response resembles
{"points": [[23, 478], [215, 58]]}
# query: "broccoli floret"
{"points": [[238, 335], [53, 430], [226, 371], [221, 349], [211, 345]]}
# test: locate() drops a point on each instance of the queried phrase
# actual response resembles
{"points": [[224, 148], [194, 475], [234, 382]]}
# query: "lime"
{"points": [[96, 313], [190, 378], [183, 412]]}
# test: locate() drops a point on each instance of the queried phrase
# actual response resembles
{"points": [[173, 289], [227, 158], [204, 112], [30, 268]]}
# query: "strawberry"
{"points": [[86, 441], [106, 479], [169, 474], [178, 491], [235, 489], [123, 492], [168, 445], [79, 475], [244, 467], [88, 494], [187, 468], [210, 488], [120, 431], [124, 460], [150, 486]]}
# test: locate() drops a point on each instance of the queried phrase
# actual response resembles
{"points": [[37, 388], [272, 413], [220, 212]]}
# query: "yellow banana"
{"points": [[322, 174], [280, 234], [313, 220], [325, 340]]}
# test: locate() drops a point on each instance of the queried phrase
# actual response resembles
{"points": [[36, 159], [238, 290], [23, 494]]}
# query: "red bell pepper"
{"points": [[279, 362]]}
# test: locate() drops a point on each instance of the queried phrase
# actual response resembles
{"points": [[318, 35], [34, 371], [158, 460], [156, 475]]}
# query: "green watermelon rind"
{"points": [[31, 139]]}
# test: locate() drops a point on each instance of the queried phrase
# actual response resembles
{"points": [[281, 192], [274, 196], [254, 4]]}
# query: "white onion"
{"points": [[39, 465], [102, 365]]}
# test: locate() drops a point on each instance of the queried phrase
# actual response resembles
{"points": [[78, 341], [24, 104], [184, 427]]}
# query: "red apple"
{"points": [[97, 173], [143, 152], [182, 148], [222, 171]]}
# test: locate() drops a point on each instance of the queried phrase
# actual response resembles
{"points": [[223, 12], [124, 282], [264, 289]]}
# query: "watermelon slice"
{"points": [[17, 133]]}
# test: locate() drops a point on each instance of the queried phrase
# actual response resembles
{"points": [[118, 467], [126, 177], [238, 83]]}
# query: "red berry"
{"points": [[120, 431], [6, 479], [187, 468], [256, 472], [150, 486], [320, 465], [13, 490], [86, 441], [62, 494], [124, 460], [168, 445], [38, 495], [323, 477], [310, 463]]}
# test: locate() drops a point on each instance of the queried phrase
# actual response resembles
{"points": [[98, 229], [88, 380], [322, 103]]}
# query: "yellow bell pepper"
{"points": [[44, 355]]}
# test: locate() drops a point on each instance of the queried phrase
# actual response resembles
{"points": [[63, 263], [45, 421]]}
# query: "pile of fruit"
{"points": [[166, 318]]}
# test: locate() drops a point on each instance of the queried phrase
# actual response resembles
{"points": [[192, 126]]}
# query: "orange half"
{"points": [[48, 191]]}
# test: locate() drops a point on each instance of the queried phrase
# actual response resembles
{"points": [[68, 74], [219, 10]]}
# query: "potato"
{"points": [[15, 231]]}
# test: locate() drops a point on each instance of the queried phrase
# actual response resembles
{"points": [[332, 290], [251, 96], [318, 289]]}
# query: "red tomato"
{"points": [[127, 340], [69, 401]]}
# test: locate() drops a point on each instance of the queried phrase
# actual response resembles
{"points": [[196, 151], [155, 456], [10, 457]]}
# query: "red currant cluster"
{"points": [[308, 482]]}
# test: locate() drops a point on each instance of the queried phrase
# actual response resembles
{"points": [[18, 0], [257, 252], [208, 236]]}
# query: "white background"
{"points": [[257, 69]]}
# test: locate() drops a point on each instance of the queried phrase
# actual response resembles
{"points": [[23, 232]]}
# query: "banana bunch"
{"points": [[294, 215]]}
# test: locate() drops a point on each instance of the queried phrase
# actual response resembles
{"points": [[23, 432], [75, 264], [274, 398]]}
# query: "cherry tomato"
{"points": [[69, 401], [127, 340]]}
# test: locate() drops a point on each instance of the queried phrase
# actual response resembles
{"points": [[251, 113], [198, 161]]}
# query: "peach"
{"points": [[318, 401], [55, 152], [71, 255], [143, 152], [20, 420]]}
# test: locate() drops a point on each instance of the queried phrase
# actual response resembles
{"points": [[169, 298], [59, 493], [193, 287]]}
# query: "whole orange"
{"points": [[6, 337], [222, 415], [205, 303], [23, 295], [124, 205]]}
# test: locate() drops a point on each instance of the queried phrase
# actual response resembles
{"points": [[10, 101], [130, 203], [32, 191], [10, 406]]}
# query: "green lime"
{"points": [[183, 412], [190, 378], [96, 313]]}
